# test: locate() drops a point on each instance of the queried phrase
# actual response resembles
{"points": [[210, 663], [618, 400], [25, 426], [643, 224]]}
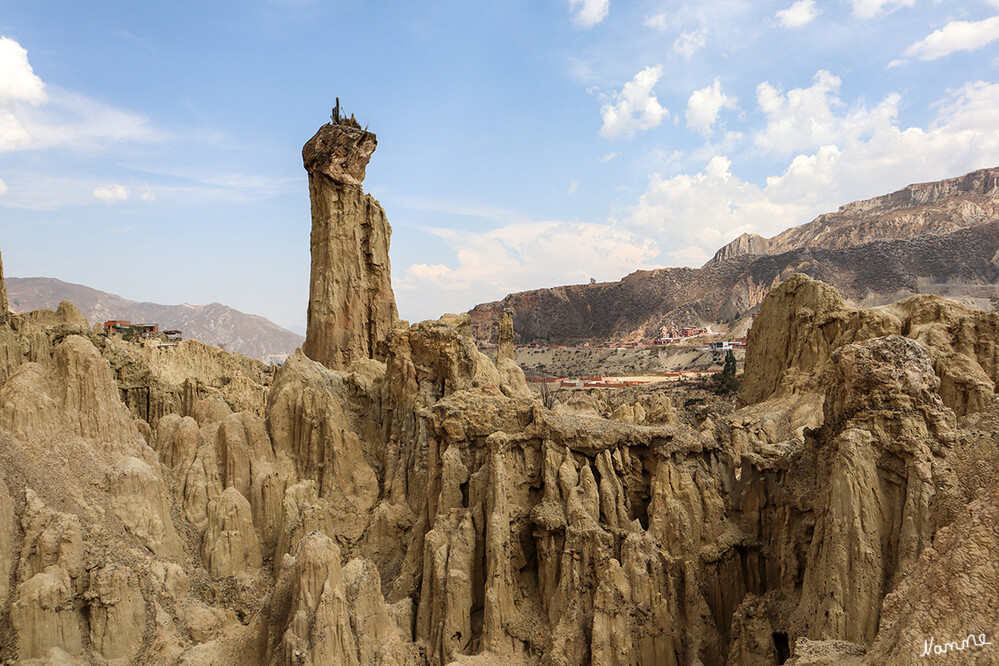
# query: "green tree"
{"points": [[727, 383]]}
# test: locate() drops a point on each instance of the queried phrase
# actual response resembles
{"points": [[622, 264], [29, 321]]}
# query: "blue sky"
{"points": [[153, 150]]}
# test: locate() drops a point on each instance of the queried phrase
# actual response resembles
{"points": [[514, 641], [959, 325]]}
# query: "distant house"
{"points": [[131, 331], [720, 345]]}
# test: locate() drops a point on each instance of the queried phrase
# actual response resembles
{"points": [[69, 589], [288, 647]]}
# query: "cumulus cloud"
{"points": [[635, 107], [706, 209], [573, 186], [111, 193], [147, 194], [427, 273], [656, 21], [588, 13], [689, 43], [518, 256], [704, 106], [19, 85], [33, 116], [806, 118], [3, 187], [18, 82], [955, 36], [868, 9], [798, 15]]}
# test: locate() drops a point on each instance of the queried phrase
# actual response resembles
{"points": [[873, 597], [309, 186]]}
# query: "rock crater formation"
{"points": [[407, 501]]}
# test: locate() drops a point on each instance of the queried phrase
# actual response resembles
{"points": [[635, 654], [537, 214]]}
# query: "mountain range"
{"points": [[939, 238], [213, 324]]}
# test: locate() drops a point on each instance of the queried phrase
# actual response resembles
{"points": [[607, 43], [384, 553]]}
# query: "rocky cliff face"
{"points": [[351, 304], [425, 509], [924, 209], [4, 308], [744, 244], [806, 321], [938, 238]]}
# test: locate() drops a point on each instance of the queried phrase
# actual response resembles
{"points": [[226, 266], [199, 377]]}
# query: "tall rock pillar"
{"points": [[4, 312], [504, 349], [351, 304]]}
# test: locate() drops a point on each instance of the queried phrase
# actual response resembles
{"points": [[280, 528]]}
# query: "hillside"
{"points": [[917, 210], [213, 324], [938, 238]]}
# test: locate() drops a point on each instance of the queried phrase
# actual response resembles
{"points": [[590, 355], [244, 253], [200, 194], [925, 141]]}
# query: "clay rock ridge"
{"points": [[426, 509], [411, 502]]}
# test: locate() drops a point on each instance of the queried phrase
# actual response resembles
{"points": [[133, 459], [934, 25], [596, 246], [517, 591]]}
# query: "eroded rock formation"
{"points": [[805, 321], [423, 507], [351, 304], [4, 308]]}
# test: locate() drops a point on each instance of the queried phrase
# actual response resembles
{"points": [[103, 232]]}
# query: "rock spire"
{"points": [[351, 304], [4, 312]]}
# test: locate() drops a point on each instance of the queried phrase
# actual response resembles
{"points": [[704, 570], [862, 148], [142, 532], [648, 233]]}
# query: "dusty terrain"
{"points": [[409, 501], [615, 362]]}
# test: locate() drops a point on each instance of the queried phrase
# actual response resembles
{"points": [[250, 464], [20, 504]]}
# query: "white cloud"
{"points": [[703, 210], [573, 185], [656, 22], [111, 193], [704, 106], [806, 118], [18, 82], [955, 36], [121, 230], [609, 156], [147, 194], [18, 86], [427, 273], [635, 107], [588, 13], [3, 187], [706, 209], [798, 15], [522, 255], [34, 116], [868, 9], [689, 43]]}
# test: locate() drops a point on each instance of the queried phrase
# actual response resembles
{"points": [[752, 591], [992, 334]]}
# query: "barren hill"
{"points": [[213, 324], [939, 238], [917, 210]]}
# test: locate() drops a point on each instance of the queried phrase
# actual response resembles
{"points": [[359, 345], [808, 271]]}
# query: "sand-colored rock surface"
{"points": [[4, 307], [424, 508], [804, 321], [351, 304]]}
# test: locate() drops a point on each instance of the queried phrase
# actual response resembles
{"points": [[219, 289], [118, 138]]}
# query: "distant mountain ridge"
{"points": [[213, 324], [917, 210], [940, 238]]}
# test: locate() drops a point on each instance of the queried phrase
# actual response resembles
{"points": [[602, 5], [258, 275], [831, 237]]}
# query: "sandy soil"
{"points": [[609, 362]]}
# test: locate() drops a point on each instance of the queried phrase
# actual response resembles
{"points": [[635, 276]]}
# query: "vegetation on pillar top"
{"points": [[340, 149], [339, 117]]}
